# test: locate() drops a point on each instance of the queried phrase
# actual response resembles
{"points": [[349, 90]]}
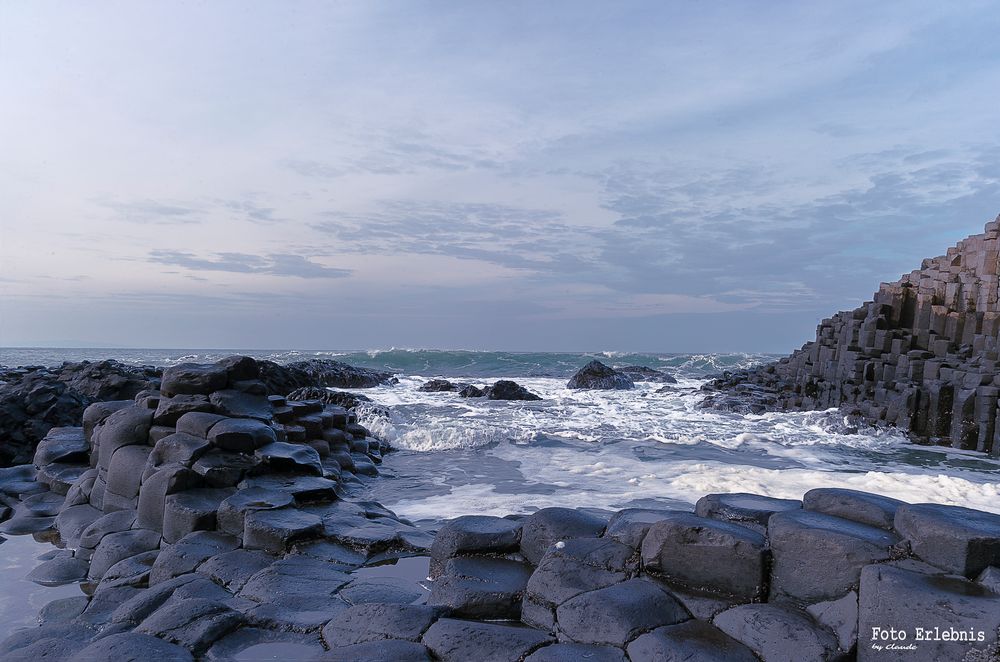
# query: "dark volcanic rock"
{"points": [[471, 391], [340, 398], [508, 390], [596, 375], [437, 386], [286, 378], [34, 400]]}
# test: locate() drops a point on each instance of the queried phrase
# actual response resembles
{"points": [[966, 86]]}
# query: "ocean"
{"points": [[600, 449]]}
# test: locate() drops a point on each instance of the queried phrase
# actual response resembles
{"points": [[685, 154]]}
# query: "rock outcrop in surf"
{"points": [[921, 356]]}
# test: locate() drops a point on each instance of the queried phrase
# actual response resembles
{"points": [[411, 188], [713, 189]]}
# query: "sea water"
{"points": [[649, 446]]}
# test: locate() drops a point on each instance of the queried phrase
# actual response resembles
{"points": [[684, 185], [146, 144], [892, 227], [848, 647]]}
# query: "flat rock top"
{"points": [[799, 519], [954, 516]]}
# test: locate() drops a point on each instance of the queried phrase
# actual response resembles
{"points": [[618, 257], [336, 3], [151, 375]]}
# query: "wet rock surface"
{"points": [[271, 559], [599, 376]]}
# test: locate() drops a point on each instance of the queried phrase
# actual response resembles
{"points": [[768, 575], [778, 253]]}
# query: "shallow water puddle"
{"points": [[21, 599]]}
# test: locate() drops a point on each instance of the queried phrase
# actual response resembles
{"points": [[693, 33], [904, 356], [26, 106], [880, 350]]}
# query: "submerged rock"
{"points": [[640, 373]]}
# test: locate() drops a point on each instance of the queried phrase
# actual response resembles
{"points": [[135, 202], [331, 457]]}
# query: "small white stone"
{"points": [[560, 544]]}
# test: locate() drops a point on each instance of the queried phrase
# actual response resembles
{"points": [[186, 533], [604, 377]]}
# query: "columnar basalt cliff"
{"points": [[921, 356]]}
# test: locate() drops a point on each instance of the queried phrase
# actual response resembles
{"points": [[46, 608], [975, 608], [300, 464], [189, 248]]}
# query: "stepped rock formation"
{"points": [[922, 355]]}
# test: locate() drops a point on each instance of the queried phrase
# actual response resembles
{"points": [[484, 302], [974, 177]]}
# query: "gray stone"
{"points": [[192, 510], [188, 553], [245, 405], [193, 623], [233, 569], [297, 581], [139, 605], [960, 540], [60, 477], [274, 530], [153, 492], [105, 601], [243, 435], [629, 526], [577, 653], [376, 622], [777, 634], [481, 588], [550, 525], [474, 534], [331, 552], [133, 571], [20, 640], [363, 466], [198, 424], [689, 641], [296, 616], [158, 432], [452, 640], [20, 525], [706, 555], [125, 471], [385, 590], [125, 427], [305, 489], [192, 379], [73, 520], [261, 644], [45, 504], [96, 414], [111, 523], [390, 650], [616, 614], [291, 458], [231, 513], [819, 557], [224, 468], [66, 445], [942, 615], [871, 509], [117, 546], [990, 579], [179, 448], [131, 647], [596, 375], [79, 493], [59, 571], [63, 610], [168, 410], [840, 617], [580, 565], [753, 510]]}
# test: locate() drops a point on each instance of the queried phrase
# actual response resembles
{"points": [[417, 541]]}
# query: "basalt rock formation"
{"points": [[596, 375], [922, 355]]}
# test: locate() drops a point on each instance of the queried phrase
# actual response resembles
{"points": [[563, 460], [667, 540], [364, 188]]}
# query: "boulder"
{"points": [[168, 410], [750, 510], [193, 379], [688, 641], [233, 569], [777, 634], [192, 510], [377, 622], [193, 623], [232, 511], [575, 653], [188, 553], [379, 651], [438, 386], [62, 444], [544, 528], [819, 557], [242, 435], [943, 617], [617, 614], [960, 540], [596, 375], [230, 402], [629, 526], [281, 456], [274, 530], [871, 509], [452, 640], [505, 389], [131, 647], [481, 588], [706, 555]]}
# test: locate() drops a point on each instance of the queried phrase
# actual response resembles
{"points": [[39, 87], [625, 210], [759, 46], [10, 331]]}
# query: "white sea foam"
{"points": [[609, 449]]}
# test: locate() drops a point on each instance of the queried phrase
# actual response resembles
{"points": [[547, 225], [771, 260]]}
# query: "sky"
{"points": [[645, 176]]}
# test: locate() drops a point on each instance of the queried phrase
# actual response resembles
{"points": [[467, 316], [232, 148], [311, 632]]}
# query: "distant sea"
{"points": [[649, 446]]}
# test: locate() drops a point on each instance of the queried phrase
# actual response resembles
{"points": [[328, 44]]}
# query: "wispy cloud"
{"points": [[273, 264]]}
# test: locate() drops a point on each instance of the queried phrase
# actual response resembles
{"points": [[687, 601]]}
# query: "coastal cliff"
{"points": [[921, 356]]}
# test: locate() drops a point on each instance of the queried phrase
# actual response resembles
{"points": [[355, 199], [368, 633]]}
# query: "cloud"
{"points": [[153, 211], [274, 264]]}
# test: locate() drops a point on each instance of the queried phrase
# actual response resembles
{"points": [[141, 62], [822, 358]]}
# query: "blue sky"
{"points": [[674, 176]]}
